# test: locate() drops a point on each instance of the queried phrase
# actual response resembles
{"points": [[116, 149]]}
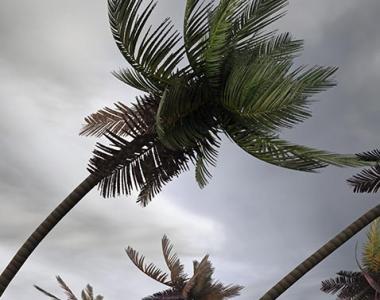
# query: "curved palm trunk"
{"points": [[322, 253], [44, 228]]}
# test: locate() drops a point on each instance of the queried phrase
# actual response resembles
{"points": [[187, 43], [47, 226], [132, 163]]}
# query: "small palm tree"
{"points": [[363, 284], [87, 293], [200, 286], [238, 80], [181, 287], [367, 181]]}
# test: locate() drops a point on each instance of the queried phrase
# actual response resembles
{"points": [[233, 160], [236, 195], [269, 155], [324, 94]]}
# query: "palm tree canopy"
{"points": [[229, 76], [363, 284], [200, 286]]}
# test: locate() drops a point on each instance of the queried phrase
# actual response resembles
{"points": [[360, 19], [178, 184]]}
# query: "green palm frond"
{"points": [[273, 150], [249, 27], [149, 269], [196, 32], [153, 56], [265, 93], [206, 156], [172, 261], [87, 293], [371, 249]]}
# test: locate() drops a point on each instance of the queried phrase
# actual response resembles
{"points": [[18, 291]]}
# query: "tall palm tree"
{"points": [[200, 286], [364, 284], [238, 80], [367, 181]]}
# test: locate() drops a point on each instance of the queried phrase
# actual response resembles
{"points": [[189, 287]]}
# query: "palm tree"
{"points": [[87, 293], [181, 287], [200, 286], [367, 181], [238, 80], [360, 285]]}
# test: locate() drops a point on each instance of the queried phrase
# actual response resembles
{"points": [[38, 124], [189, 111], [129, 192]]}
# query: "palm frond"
{"points": [[70, 295], [344, 280], [371, 249], [46, 293], [154, 56], [206, 155], [367, 181], [219, 41], [373, 155], [124, 120], [281, 153], [170, 294], [248, 29], [149, 269], [172, 261], [196, 32], [267, 95]]}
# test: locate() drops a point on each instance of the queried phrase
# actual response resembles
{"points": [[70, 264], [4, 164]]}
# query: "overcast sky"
{"points": [[256, 221]]}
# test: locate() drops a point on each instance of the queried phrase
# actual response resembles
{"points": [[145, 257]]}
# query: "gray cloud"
{"points": [[257, 221]]}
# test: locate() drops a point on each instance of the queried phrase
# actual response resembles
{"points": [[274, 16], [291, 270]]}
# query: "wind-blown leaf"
{"points": [[149, 269], [367, 181], [46, 293]]}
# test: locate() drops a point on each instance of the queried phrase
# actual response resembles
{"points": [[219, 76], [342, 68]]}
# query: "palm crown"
{"points": [[238, 80]]}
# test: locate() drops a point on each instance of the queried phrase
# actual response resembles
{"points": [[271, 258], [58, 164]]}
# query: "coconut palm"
{"points": [[87, 293], [363, 284], [200, 286], [238, 80], [367, 181]]}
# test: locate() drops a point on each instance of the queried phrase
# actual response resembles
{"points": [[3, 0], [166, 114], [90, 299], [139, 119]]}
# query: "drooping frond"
{"points": [[172, 261], [371, 249], [265, 93], [149, 269], [281, 153], [196, 32], [249, 27], [170, 294], [367, 181], [124, 120], [153, 55], [205, 156]]}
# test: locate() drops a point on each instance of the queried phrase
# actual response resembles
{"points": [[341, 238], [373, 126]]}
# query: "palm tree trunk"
{"points": [[44, 228], [321, 254]]}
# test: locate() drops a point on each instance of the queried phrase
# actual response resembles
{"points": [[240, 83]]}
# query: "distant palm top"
{"points": [[237, 80]]}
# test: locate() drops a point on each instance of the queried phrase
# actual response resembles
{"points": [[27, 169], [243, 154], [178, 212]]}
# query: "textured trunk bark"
{"points": [[321, 254], [44, 228]]}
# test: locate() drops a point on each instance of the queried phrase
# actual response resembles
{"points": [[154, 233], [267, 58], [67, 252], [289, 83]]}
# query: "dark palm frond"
{"points": [[343, 280], [124, 120], [205, 156], [248, 28], [46, 293], [177, 275], [149, 269], [70, 295], [373, 155], [87, 293], [170, 294], [153, 56], [367, 181]]}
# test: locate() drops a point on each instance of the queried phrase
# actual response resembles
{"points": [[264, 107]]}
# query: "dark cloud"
{"points": [[257, 221]]}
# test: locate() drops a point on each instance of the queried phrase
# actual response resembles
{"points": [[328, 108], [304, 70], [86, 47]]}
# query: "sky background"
{"points": [[256, 221]]}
